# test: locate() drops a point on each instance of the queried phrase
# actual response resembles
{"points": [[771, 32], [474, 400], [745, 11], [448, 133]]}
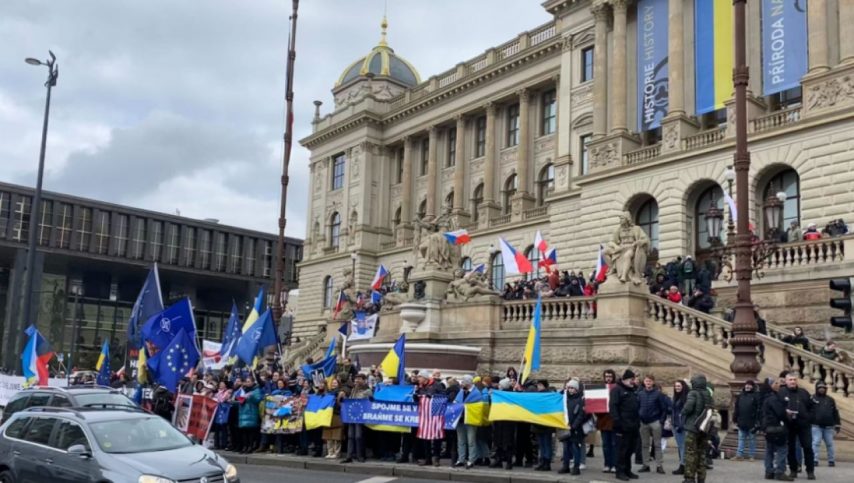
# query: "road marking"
{"points": [[377, 479]]}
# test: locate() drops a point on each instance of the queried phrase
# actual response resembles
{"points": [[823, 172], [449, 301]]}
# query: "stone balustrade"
{"points": [[813, 252], [535, 212], [703, 139], [642, 155], [692, 322], [777, 119], [520, 313], [500, 220]]}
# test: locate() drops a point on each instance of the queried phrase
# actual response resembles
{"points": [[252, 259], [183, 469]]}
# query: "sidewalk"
{"points": [[725, 470]]}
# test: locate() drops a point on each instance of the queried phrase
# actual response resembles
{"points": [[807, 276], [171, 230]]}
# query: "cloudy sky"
{"points": [[178, 105]]}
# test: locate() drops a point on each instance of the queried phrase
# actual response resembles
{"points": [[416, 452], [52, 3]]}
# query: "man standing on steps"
{"points": [[799, 415], [746, 418], [624, 407], [825, 423]]}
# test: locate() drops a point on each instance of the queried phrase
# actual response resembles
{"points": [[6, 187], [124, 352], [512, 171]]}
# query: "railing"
{"points": [[690, 321], [777, 119], [642, 155], [541, 35], [838, 377], [448, 79], [499, 220], [556, 309], [703, 138], [813, 252], [388, 245], [535, 212], [512, 49], [478, 64]]}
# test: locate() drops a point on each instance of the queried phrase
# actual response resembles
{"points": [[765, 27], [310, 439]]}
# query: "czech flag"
{"points": [[339, 305], [549, 259], [601, 266], [394, 362], [379, 277], [458, 237], [539, 243], [37, 353], [514, 260], [478, 269], [103, 365]]}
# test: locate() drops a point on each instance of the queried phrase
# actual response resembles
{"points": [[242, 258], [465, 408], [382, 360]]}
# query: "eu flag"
{"points": [[232, 334], [148, 302], [162, 327], [174, 361], [258, 336]]}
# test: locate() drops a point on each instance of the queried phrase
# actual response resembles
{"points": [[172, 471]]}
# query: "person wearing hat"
{"points": [[576, 418], [746, 418], [466, 434], [825, 423], [624, 408], [812, 232]]}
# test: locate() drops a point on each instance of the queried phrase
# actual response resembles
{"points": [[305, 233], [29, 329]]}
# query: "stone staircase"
{"points": [[299, 353]]}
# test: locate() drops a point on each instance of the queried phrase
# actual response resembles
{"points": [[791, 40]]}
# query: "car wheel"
{"points": [[7, 477]]}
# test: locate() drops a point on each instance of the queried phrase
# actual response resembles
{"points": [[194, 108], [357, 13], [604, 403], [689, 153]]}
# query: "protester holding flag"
{"points": [[605, 423], [544, 436], [356, 432], [624, 407], [504, 436], [37, 353], [431, 421], [220, 426], [249, 418]]}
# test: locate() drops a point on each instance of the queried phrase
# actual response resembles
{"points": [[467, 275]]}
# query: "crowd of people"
{"points": [[552, 284]]}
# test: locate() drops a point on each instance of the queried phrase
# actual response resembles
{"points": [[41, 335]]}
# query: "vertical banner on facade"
{"points": [[784, 45], [652, 63], [713, 53]]}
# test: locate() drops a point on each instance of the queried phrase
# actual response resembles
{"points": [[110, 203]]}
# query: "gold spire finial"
{"points": [[384, 27]]}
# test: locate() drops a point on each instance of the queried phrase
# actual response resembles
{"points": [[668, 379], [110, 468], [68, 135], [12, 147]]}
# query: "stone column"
{"points": [[432, 172], [675, 63], [524, 133], [846, 32], [618, 95], [600, 70], [460, 168], [817, 31], [406, 181], [489, 161]]}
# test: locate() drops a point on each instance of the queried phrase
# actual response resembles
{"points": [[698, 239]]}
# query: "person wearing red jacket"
{"points": [[673, 295]]}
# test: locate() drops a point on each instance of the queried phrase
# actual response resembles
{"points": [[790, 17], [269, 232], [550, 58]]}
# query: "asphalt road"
{"points": [[265, 474]]}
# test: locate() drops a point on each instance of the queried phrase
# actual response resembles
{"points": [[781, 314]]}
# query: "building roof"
{"points": [[381, 62]]}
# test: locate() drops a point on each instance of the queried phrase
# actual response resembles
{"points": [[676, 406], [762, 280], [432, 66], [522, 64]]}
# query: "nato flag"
{"points": [[174, 361], [162, 327], [148, 302], [258, 336]]}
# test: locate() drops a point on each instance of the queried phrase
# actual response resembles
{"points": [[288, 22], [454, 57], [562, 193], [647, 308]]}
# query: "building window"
{"points": [[497, 275], [102, 233], [335, 230], [449, 202], [533, 257], [395, 222], [398, 171], [237, 255], [84, 229], [205, 249], [64, 227], [584, 153], [549, 112], [139, 239], [480, 137], [5, 212], [21, 228], [545, 183], [647, 219], [452, 147], [268, 258], [425, 155], [190, 247], [46, 222], [512, 125], [173, 243], [713, 196], [476, 201], [586, 64], [510, 187], [422, 210], [250, 256], [338, 172], [122, 230], [466, 264], [219, 252], [787, 182], [156, 240], [327, 292]]}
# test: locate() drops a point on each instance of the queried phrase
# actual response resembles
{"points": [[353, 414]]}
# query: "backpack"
{"points": [[688, 266], [706, 421]]}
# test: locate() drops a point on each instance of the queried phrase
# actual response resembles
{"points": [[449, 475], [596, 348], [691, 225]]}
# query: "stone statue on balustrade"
{"points": [[626, 253], [432, 250], [467, 286], [349, 289]]}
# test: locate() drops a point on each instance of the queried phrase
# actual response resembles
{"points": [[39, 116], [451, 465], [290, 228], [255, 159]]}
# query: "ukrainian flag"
{"points": [[543, 408], [395, 361], [318, 411], [103, 365], [714, 53], [531, 356], [476, 409], [257, 309]]}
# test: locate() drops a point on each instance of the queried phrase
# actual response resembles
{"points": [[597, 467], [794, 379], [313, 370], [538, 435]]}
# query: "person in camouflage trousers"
{"points": [[696, 442]]}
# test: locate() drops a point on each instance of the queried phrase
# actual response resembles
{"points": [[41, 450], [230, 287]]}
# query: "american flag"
{"points": [[431, 417]]}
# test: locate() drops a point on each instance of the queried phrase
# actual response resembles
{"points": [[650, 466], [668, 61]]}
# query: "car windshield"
{"points": [[138, 435], [105, 398]]}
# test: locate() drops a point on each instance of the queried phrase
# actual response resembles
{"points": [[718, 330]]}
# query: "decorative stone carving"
{"points": [[508, 155], [348, 287], [544, 145], [562, 172], [604, 155], [392, 299], [671, 136], [566, 43], [431, 248], [584, 37], [582, 95], [447, 175], [467, 286], [355, 160], [395, 191], [383, 92], [833, 92], [626, 253]]}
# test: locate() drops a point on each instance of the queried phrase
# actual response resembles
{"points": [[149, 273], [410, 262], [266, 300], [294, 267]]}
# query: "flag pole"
{"points": [[289, 122]]}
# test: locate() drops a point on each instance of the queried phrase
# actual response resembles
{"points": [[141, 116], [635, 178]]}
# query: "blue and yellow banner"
{"points": [[714, 53], [784, 45], [543, 408], [476, 409], [653, 93]]}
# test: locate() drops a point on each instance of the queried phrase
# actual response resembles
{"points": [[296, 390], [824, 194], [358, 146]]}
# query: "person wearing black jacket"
{"points": [[746, 419], [576, 419], [504, 435], [799, 414], [624, 407], [825, 423], [773, 424]]}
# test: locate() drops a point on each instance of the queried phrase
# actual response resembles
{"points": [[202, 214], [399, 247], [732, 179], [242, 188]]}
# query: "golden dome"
{"points": [[382, 62]]}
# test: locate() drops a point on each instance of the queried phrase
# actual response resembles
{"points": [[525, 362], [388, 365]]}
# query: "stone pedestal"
{"points": [[411, 316], [674, 129], [621, 304], [755, 108], [487, 211], [607, 152], [436, 283], [521, 202]]}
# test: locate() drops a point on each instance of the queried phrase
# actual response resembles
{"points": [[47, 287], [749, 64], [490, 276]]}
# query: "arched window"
{"points": [[545, 183], [327, 292], [510, 187], [422, 210], [449, 201], [712, 196], [497, 275], [465, 264], [396, 220], [476, 200], [787, 182], [334, 230], [534, 257], [646, 217]]}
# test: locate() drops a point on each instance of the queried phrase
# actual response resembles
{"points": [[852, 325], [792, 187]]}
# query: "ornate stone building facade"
{"points": [[541, 133]]}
